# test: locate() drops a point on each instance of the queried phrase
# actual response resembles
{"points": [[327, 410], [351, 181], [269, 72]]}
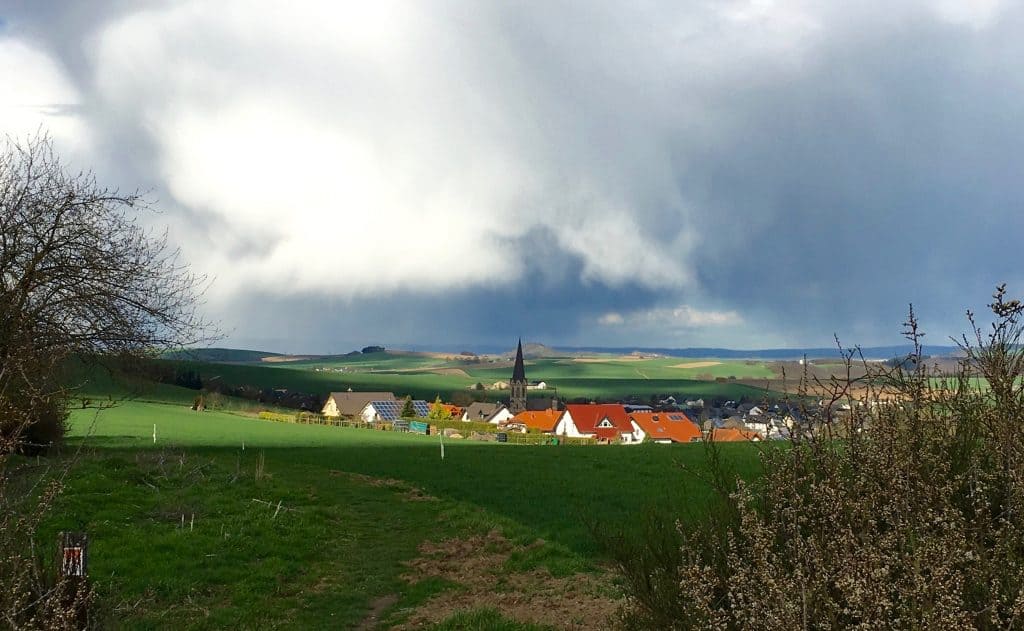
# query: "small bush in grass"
{"points": [[465, 426], [267, 415], [912, 520]]}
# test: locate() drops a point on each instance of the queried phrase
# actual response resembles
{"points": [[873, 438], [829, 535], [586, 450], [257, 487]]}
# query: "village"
{"points": [[666, 421]]}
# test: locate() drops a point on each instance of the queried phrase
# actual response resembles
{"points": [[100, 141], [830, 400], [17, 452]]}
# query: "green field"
{"points": [[186, 534], [425, 377]]}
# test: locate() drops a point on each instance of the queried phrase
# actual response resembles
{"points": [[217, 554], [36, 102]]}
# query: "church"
{"points": [[517, 385]]}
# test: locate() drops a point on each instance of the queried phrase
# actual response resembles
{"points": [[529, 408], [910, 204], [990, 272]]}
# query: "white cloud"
{"points": [[612, 318], [682, 317], [37, 95], [977, 14], [351, 150]]}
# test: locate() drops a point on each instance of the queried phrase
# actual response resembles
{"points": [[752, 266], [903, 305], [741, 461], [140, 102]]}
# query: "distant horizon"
{"points": [[881, 352]]}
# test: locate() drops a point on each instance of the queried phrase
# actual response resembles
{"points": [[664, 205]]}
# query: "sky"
{"points": [[730, 173]]}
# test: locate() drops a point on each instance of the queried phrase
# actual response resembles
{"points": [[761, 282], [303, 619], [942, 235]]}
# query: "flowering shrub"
{"points": [[905, 512]]}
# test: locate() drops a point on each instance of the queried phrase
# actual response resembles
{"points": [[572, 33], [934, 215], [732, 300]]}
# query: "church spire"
{"points": [[519, 370], [517, 400]]}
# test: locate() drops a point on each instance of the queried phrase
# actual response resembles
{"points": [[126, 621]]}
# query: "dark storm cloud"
{"points": [[730, 173], [886, 176]]}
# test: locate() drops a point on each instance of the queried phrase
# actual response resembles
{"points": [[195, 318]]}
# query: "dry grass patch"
{"points": [[411, 493], [478, 565]]}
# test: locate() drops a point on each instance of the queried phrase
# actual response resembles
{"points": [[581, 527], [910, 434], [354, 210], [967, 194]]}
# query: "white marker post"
{"points": [[440, 436], [154, 433]]}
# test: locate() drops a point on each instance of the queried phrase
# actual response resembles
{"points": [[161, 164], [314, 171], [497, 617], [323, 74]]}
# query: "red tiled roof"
{"points": [[731, 435], [674, 426], [587, 418], [544, 420]]}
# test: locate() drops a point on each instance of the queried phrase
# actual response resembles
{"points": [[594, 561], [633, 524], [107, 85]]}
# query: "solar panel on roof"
{"points": [[391, 410], [386, 410]]}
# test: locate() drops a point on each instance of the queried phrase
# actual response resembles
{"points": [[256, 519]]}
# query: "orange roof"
{"points": [[730, 435], [588, 417], [544, 420], [674, 426]]}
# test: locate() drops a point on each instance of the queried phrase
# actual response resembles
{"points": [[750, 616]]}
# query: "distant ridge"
{"points": [[218, 355]]}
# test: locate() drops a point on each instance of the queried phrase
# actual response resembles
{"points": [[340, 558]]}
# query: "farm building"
{"points": [[605, 421], [487, 413], [547, 421], [385, 410], [666, 427], [352, 403]]}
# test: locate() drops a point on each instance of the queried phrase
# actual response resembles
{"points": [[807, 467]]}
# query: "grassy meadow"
{"points": [[316, 526]]}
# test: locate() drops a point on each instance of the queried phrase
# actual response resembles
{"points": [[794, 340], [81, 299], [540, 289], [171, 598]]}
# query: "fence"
{"points": [[422, 427]]}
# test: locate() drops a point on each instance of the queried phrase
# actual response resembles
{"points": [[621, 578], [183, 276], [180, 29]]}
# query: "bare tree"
{"points": [[79, 278]]}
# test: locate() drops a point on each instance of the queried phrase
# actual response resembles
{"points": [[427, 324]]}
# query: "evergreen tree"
{"points": [[408, 411]]}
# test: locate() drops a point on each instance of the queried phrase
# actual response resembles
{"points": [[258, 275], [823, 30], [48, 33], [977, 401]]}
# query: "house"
{"points": [[759, 424], [602, 421], [547, 421], [666, 427], [385, 410], [537, 385], [732, 435], [793, 417], [487, 413], [732, 422], [352, 403]]}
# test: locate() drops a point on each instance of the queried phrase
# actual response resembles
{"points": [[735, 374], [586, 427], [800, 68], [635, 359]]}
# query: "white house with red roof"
{"points": [[602, 421], [666, 427]]}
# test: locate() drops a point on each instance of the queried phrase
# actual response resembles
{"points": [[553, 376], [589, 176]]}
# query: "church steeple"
{"points": [[519, 370], [517, 385]]}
